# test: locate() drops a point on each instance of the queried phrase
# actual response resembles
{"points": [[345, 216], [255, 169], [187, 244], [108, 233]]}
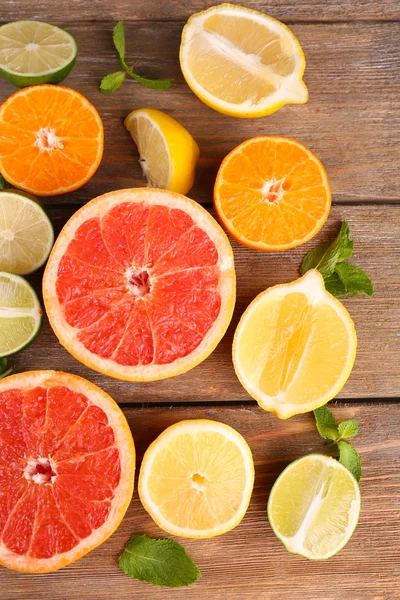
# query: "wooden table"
{"points": [[352, 123]]}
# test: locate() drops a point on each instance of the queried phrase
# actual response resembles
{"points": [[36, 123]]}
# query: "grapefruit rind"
{"points": [[191, 427], [312, 286], [67, 335], [123, 492]]}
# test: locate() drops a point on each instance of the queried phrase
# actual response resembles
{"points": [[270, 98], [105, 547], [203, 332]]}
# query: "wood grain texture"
{"points": [[249, 562], [351, 122], [173, 10], [376, 232]]}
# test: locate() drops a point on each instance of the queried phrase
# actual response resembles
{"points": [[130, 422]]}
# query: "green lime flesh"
{"points": [[20, 314], [34, 52]]}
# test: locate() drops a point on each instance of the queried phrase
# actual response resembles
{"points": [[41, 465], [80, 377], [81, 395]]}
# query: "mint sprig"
{"points": [[113, 81], [341, 279], [161, 562], [338, 433]]}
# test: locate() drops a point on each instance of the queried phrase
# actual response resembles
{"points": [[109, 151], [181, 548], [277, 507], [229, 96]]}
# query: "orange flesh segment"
{"points": [[163, 254], [272, 192], [50, 518], [78, 140]]}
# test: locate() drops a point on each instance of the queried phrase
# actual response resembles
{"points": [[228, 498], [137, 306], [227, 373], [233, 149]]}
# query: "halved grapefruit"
{"points": [[140, 284], [67, 464]]}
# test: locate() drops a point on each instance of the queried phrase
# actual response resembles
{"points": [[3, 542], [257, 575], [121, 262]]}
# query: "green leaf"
{"points": [[334, 285], [4, 185], [325, 256], [3, 368], [119, 40], [111, 82], [349, 458], [154, 84], [326, 423], [354, 279], [161, 562], [348, 429]]}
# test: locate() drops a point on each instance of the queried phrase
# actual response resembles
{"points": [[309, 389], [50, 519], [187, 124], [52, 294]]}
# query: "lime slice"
{"points": [[20, 313], [26, 233], [314, 506], [34, 52]]}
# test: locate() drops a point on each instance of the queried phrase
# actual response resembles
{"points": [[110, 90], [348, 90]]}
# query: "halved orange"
{"points": [[272, 193], [67, 464], [140, 284], [51, 140]]}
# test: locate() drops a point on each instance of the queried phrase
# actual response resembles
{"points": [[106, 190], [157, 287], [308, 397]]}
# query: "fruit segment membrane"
{"points": [[59, 469], [140, 284]]}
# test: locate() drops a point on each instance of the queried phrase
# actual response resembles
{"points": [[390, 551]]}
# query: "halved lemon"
{"points": [[242, 62], [168, 153], [196, 479], [294, 347], [314, 506]]}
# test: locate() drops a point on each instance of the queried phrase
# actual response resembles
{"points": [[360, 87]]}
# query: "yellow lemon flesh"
{"points": [[242, 62], [314, 506], [196, 479], [294, 347], [168, 153]]}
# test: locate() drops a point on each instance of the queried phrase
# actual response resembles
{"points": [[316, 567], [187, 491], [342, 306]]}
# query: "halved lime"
{"points": [[34, 52], [26, 233], [314, 506], [20, 314]]}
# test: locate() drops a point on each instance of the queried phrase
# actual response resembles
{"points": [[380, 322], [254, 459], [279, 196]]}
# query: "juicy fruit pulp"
{"points": [[26, 233], [294, 347], [272, 193], [20, 314], [168, 153], [51, 140], [196, 478], [67, 468], [314, 506], [140, 284], [242, 62], [33, 52]]}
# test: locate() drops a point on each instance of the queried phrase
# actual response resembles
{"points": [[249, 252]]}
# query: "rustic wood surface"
{"points": [[352, 123], [249, 562]]}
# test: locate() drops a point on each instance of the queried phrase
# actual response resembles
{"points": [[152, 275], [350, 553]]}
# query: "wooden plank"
{"points": [[135, 10], [349, 122], [249, 562], [376, 231]]}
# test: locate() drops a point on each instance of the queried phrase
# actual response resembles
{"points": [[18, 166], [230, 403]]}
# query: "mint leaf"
{"points": [[354, 279], [154, 84], [161, 562], [348, 429], [3, 368], [326, 423], [349, 458], [325, 256], [119, 40], [4, 185], [111, 82], [334, 285]]}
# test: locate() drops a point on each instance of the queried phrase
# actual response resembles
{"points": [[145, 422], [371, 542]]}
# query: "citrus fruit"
{"points": [[314, 506], [272, 193], [51, 140], [294, 347], [26, 233], [20, 314], [196, 479], [242, 62], [67, 465], [34, 52], [140, 284], [168, 153]]}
